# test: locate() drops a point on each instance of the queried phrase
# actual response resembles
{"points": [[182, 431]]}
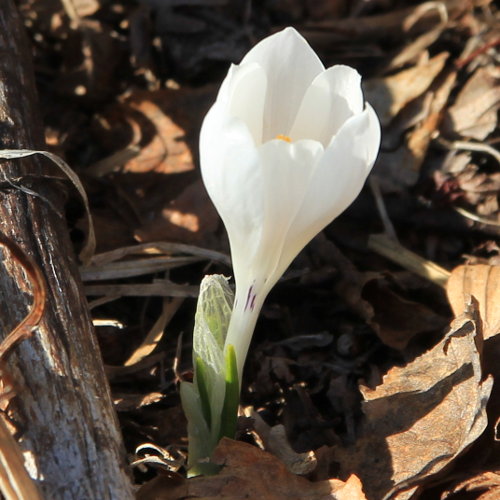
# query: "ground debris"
{"points": [[353, 374]]}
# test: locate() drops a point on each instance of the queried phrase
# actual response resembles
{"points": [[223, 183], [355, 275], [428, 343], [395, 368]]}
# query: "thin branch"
{"points": [[25, 328]]}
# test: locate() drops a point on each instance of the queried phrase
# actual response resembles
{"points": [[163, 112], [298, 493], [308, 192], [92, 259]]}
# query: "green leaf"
{"points": [[201, 443], [229, 415], [201, 380], [213, 313]]}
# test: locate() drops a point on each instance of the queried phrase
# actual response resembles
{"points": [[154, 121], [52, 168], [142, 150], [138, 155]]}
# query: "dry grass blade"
{"points": [[160, 247], [394, 251], [90, 243], [112, 162], [15, 484], [148, 345], [160, 288], [136, 267]]}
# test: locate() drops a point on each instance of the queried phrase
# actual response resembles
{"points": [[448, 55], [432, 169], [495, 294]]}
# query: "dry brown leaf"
{"points": [[487, 484], [275, 440], [420, 138], [400, 169], [388, 25], [389, 95], [483, 283], [190, 218], [474, 113], [422, 416], [397, 320], [416, 47], [249, 472], [164, 125], [166, 151]]}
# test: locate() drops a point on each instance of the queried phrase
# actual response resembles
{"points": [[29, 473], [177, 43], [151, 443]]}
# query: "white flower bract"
{"points": [[286, 148]]}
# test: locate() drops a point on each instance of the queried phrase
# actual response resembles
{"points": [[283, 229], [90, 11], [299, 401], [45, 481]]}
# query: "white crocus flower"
{"points": [[285, 149]]}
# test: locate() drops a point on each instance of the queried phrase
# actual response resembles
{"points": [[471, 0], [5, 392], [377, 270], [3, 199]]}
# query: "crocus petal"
{"points": [[285, 168], [230, 163], [243, 95], [335, 182], [332, 98], [290, 65]]}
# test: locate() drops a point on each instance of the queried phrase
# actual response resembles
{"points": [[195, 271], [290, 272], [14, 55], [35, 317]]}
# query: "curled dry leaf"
{"points": [[162, 125], [419, 139], [249, 472], [422, 416], [390, 94], [399, 169], [276, 441], [483, 283], [486, 485], [474, 113]]}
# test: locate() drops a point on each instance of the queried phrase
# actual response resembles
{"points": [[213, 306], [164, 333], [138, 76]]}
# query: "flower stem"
{"points": [[229, 414], [247, 306]]}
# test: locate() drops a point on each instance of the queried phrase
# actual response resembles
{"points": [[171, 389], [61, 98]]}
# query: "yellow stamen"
{"points": [[283, 138]]}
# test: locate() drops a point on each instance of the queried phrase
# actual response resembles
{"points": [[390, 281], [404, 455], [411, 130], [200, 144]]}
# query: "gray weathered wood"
{"points": [[62, 412]]}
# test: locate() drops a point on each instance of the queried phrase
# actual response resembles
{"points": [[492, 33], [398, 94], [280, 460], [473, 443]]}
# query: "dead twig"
{"points": [[24, 329]]}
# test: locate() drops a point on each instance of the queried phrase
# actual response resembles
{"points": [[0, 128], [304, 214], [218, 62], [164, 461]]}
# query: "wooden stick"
{"points": [[62, 412]]}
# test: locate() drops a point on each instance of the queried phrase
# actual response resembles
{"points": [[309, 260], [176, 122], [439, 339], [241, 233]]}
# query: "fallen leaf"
{"points": [[420, 138], [416, 47], [397, 320], [421, 416], [164, 125], [474, 113], [483, 283], [190, 218], [390, 94], [395, 23], [276, 442], [399, 169], [484, 484], [249, 472]]}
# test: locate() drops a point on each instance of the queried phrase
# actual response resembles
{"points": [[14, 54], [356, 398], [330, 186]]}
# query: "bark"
{"points": [[62, 412]]}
